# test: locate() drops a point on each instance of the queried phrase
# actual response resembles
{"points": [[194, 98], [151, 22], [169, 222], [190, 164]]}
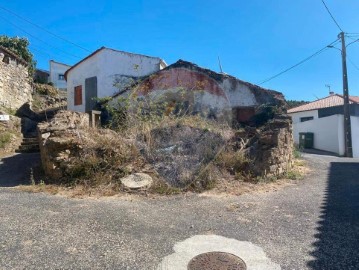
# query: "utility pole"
{"points": [[347, 123]]}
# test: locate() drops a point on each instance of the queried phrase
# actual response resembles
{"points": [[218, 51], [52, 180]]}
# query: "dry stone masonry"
{"points": [[272, 153], [15, 87], [59, 139]]}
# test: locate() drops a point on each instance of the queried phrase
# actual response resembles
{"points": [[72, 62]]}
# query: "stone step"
{"points": [[31, 148], [28, 141]]}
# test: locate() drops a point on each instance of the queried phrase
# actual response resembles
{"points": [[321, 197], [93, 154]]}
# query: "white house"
{"points": [[57, 74], [104, 73], [324, 118]]}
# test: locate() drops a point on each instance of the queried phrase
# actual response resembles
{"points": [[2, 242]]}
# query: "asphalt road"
{"points": [[313, 224]]}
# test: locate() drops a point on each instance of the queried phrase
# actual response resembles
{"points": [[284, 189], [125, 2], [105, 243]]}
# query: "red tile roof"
{"points": [[331, 101]]}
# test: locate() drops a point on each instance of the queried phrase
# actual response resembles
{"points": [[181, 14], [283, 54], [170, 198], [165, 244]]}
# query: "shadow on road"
{"points": [[337, 245], [16, 170]]}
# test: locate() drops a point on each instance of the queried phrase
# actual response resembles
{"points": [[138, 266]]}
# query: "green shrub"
{"points": [[5, 138]]}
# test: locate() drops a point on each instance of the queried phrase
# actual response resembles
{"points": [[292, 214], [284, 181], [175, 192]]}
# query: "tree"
{"points": [[295, 103], [20, 46]]}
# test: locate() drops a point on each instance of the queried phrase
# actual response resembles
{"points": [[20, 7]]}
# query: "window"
{"points": [[308, 118], [61, 77], [78, 95]]}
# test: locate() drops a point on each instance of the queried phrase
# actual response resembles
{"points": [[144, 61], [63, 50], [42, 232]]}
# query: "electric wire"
{"points": [[299, 63], [331, 15], [54, 47], [43, 29], [354, 65], [40, 52], [356, 40]]}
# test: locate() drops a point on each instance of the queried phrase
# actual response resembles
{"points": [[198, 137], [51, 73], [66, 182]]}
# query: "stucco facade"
{"points": [[107, 72], [204, 92], [57, 74]]}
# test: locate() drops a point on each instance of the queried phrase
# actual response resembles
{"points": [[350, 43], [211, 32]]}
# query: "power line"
{"points": [[299, 63], [331, 15], [43, 51], [354, 65], [70, 54], [355, 40], [43, 29]]}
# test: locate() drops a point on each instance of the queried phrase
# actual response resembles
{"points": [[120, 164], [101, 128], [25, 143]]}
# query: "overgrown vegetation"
{"points": [[47, 97], [5, 138], [263, 114], [20, 46], [103, 158], [161, 137], [45, 89]]}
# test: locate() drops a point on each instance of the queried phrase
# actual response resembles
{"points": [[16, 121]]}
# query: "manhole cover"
{"points": [[216, 261]]}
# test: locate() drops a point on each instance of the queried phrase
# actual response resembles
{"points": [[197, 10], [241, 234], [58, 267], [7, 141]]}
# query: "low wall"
{"points": [[272, 153]]}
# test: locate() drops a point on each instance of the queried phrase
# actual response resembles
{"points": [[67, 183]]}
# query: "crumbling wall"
{"points": [[204, 92], [15, 87], [272, 150], [59, 140]]}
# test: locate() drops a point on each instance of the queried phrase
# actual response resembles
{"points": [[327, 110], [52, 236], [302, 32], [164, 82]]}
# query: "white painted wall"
{"points": [[57, 69], [355, 135], [328, 133], [239, 95], [296, 116], [108, 66]]}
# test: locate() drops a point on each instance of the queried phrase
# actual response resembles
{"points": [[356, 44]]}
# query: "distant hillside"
{"points": [[295, 103]]}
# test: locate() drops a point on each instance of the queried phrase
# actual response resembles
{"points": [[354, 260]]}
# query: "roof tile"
{"points": [[330, 101]]}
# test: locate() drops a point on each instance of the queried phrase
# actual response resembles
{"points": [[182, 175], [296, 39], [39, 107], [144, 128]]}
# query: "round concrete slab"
{"points": [[253, 256], [137, 181]]}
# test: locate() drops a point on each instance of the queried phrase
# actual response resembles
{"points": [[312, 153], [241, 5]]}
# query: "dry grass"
{"points": [[103, 158], [182, 154], [225, 185]]}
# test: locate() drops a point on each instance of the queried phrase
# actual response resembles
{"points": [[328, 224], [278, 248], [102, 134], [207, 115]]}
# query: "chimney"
{"points": [[331, 93]]}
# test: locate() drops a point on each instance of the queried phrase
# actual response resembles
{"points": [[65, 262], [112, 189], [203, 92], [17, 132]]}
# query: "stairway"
{"points": [[29, 145]]}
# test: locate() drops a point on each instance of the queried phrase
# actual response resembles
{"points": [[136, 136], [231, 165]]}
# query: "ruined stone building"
{"points": [[15, 87], [204, 92]]}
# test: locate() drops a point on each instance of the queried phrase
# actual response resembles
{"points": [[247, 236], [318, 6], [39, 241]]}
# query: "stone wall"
{"points": [[60, 139], [15, 87], [272, 151], [10, 131]]}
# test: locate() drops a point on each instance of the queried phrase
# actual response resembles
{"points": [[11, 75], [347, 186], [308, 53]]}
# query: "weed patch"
{"points": [[5, 139]]}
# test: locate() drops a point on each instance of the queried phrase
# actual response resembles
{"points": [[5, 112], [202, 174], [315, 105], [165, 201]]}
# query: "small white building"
{"points": [[324, 118], [104, 73], [57, 74]]}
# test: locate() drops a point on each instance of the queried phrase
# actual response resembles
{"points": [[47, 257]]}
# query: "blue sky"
{"points": [[254, 39]]}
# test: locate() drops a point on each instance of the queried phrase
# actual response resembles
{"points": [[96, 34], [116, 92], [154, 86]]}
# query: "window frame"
{"points": [[78, 95], [306, 118]]}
